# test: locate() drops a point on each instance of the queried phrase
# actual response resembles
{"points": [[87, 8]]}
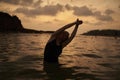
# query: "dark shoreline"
{"points": [[27, 31], [12, 24], [105, 32]]}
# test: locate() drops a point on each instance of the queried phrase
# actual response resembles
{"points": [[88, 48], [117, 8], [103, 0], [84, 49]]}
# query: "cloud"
{"points": [[51, 10], [108, 12], [86, 11], [68, 7], [22, 2], [82, 11], [26, 11], [37, 3], [102, 17], [11, 1], [79, 11]]}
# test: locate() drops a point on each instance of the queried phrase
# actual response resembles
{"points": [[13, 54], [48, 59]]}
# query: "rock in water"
{"points": [[10, 23]]}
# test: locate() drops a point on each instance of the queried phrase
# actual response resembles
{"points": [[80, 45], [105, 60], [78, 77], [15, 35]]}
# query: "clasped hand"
{"points": [[78, 22]]}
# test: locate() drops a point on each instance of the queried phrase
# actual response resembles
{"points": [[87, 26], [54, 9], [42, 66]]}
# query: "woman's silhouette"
{"points": [[58, 41]]}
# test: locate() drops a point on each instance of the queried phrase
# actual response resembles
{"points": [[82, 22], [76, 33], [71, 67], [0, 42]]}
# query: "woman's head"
{"points": [[63, 36]]}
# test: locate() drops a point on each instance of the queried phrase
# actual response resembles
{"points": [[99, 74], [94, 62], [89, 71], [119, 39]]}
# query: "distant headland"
{"points": [[13, 24], [107, 32]]}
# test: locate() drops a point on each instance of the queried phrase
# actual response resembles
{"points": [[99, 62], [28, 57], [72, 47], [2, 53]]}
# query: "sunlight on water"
{"points": [[85, 58]]}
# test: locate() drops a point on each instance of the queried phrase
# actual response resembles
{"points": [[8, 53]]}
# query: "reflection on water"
{"points": [[85, 58]]}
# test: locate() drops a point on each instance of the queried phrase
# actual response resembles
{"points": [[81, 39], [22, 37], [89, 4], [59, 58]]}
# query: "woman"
{"points": [[58, 41]]}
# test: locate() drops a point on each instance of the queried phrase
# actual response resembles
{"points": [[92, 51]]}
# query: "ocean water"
{"points": [[85, 58]]}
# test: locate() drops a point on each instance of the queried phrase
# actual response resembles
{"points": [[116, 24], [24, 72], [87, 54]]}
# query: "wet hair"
{"points": [[63, 36], [65, 32]]}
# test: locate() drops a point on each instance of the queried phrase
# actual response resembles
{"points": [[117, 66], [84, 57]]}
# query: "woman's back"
{"points": [[52, 51]]}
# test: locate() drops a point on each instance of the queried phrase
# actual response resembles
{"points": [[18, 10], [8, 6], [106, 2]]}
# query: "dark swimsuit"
{"points": [[52, 51]]}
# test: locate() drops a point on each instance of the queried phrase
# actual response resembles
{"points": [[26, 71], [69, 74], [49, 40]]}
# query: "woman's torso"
{"points": [[52, 51]]}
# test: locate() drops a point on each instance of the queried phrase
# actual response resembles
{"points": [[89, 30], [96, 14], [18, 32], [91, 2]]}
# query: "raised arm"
{"points": [[64, 28], [73, 34], [55, 34]]}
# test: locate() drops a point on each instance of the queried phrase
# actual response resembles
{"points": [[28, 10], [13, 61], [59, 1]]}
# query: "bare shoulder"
{"points": [[51, 38]]}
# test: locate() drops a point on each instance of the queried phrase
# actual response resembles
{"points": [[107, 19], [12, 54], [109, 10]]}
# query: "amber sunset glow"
{"points": [[53, 14]]}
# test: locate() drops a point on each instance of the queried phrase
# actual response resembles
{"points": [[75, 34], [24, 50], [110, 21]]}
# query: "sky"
{"points": [[54, 14]]}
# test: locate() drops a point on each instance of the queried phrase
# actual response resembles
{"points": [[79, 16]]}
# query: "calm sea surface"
{"points": [[85, 58]]}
